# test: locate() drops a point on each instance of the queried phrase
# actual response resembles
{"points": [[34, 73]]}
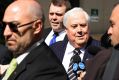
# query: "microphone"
{"points": [[76, 60], [93, 49], [78, 64]]}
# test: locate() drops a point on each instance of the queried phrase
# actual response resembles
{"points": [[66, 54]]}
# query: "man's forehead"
{"points": [[115, 13], [116, 9], [15, 13]]}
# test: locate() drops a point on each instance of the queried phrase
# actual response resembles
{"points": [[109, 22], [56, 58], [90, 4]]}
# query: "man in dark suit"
{"points": [[56, 13], [76, 22], [105, 65], [23, 23]]}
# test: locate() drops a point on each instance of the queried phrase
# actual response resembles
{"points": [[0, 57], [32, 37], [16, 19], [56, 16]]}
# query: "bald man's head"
{"points": [[23, 25], [31, 8]]}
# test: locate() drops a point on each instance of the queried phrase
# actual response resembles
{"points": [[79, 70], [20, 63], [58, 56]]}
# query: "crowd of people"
{"points": [[64, 51]]}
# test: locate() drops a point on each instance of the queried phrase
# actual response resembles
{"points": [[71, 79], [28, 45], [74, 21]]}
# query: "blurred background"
{"points": [[99, 11]]}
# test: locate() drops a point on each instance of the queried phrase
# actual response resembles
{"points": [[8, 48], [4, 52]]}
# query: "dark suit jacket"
{"points": [[40, 64], [46, 32], [60, 47], [5, 55], [97, 65]]}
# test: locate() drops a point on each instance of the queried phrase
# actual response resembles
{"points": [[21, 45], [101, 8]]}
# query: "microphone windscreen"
{"points": [[93, 50], [76, 59]]}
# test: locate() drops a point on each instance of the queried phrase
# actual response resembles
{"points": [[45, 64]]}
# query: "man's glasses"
{"points": [[14, 26]]}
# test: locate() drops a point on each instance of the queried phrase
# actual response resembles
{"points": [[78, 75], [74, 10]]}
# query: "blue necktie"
{"points": [[53, 40]]}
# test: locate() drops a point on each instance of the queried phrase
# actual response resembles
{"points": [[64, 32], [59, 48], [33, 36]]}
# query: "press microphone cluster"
{"points": [[78, 65]]}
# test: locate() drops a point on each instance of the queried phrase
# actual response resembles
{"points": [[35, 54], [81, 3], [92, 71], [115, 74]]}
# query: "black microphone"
{"points": [[78, 65], [93, 49], [76, 60]]}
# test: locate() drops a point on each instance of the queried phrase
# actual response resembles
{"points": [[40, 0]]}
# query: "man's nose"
{"points": [[80, 32], [54, 16], [7, 31]]}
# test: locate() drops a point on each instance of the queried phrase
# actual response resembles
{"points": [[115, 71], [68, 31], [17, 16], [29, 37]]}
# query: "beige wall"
{"points": [[104, 10], [45, 4]]}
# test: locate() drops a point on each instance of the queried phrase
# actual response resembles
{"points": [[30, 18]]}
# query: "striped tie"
{"points": [[71, 74]]}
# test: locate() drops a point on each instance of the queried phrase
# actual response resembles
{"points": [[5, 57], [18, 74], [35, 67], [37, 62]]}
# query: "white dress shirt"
{"points": [[60, 36], [68, 54]]}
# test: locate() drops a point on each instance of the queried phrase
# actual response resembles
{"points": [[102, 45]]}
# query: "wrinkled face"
{"points": [[17, 37], [77, 30], [113, 30], [56, 14]]}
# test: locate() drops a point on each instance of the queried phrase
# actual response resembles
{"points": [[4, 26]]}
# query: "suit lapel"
{"points": [[29, 58], [87, 56], [62, 48], [64, 44], [90, 42], [21, 67]]}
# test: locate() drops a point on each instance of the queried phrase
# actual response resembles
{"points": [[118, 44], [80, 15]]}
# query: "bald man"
{"points": [[23, 23]]}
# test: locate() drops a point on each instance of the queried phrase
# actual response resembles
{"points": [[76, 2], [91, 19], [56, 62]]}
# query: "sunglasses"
{"points": [[14, 26]]}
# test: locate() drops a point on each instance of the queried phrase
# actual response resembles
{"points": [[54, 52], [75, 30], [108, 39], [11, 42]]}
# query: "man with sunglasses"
{"points": [[23, 25]]}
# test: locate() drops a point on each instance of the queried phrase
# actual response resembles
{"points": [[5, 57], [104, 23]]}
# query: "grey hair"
{"points": [[74, 10]]}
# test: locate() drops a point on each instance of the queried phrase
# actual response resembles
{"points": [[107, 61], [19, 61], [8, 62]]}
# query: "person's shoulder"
{"points": [[2, 46], [93, 42], [5, 55], [46, 31], [103, 54], [3, 49], [57, 44], [101, 57], [60, 44]]}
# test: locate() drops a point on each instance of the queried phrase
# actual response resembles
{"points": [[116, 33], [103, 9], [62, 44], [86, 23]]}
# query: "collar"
{"points": [[61, 32], [69, 48]]}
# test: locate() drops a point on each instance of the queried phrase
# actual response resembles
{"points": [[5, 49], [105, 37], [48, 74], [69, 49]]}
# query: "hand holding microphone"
{"points": [[81, 75]]}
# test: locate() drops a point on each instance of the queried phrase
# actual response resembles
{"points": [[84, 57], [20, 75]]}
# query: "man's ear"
{"points": [[37, 26]]}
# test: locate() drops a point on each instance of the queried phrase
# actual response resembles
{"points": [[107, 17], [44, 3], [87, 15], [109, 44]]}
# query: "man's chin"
{"points": [[12, 48], [80, 42]]}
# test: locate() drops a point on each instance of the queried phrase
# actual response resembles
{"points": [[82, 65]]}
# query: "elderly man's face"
{"points": [[113, 30], [17, 37], [77, 30]]}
